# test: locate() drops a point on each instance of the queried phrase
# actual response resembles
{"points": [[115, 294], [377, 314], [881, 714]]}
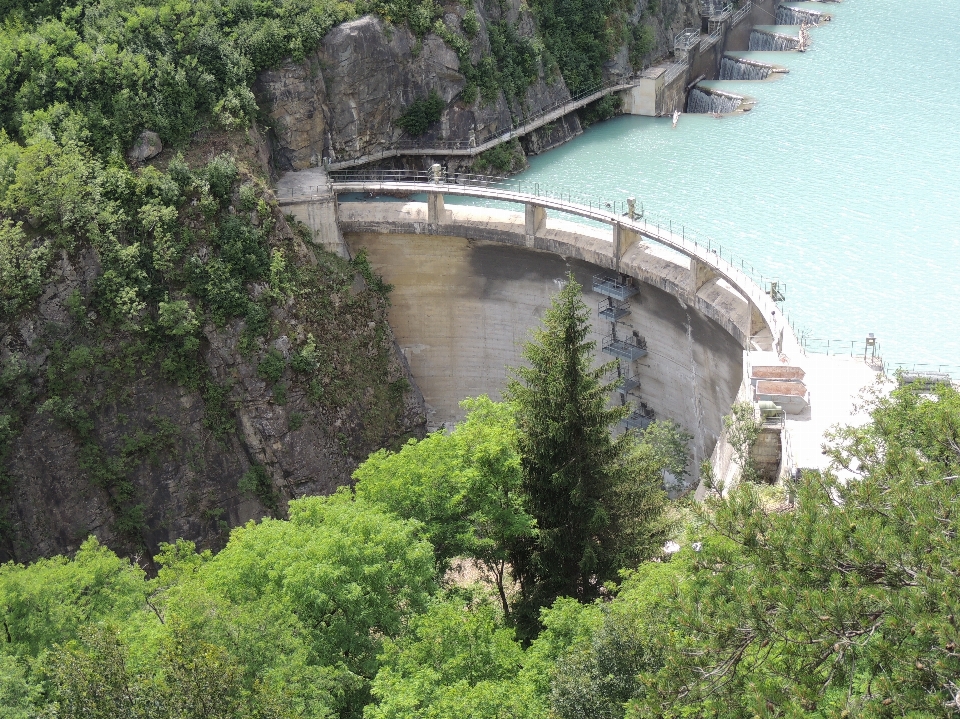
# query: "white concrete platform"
{"points": [[836, 385]]}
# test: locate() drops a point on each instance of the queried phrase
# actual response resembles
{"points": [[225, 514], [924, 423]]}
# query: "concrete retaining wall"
{"points": [[675, 94], [706, 62]]}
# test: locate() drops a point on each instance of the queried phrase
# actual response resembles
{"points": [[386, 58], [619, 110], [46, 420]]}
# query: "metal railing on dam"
{"points": [[469, 148], [628, 228]]}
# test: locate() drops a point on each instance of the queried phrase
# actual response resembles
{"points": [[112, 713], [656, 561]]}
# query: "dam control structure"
{"points": [[692, 332], [471, 283]]}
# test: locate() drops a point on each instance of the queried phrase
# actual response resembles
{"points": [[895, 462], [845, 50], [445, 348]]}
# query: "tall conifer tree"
{"points": [[598, 499]]}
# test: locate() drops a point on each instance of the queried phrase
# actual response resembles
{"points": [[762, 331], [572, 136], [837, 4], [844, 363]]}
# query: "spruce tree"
{"points": [[597, 499]]}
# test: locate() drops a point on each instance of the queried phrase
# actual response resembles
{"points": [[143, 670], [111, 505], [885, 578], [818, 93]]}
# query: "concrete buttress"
{"points": [[435, 208], [535, 219], [700, 274]]}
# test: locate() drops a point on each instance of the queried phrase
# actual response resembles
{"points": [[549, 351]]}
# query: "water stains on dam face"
{"points": [[462, 309]]}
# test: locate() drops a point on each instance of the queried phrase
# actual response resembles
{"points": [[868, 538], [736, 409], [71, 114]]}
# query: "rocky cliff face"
{"points": [[151, 460], [342, 101], [100, 443]]}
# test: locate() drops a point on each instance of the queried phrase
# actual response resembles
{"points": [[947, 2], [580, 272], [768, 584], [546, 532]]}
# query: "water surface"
{"points": [[843, 182]]}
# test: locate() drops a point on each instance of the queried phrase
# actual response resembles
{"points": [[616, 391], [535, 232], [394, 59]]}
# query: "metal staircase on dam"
{"points": [[612, 310], [612, 287], [641, 417], [625, 349], [617, 292]]}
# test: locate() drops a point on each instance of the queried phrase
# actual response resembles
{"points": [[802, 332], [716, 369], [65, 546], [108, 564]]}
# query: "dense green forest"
{"points": [[513, 568]]}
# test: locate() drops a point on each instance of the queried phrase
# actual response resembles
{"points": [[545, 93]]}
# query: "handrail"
{"points": [[711, 39], [890, 368], [497, 188], [673, 70], [856, 349], [716, 9], [686, 39], [469, 148], [741, 13], [617, 207], [614, 213]]}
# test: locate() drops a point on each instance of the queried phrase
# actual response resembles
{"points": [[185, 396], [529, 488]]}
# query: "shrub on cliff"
{"points": [[420, 114]]}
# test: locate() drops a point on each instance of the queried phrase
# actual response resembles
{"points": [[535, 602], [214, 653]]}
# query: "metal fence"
{"points": [[872, 355], [742, 13], [685, 40], [716, 10], [844, 347], [891, 368], [673, 70], [711, 39], [580, 200]]}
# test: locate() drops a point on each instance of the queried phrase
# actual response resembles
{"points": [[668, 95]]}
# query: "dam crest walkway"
{"points": [[628, 229]]}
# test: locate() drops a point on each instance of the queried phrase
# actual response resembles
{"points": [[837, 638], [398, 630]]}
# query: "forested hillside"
{"points": [[180, 366], [177, 357], [413, 595]]}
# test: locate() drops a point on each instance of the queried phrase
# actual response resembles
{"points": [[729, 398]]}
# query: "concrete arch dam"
{"points": [[471, 283]]}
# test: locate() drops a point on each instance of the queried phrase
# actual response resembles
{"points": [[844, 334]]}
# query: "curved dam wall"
{"points": [[469, 291]]}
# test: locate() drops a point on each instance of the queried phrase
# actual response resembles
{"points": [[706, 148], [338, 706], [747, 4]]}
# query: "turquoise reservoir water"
{"points": [[844, 182]]}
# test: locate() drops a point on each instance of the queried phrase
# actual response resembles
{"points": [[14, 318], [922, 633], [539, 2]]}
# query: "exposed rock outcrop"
{"points": [[146, 147], [342, 101], [153, 460]]}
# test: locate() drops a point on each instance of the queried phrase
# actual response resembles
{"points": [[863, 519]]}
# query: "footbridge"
{"points": [[471, 148]]}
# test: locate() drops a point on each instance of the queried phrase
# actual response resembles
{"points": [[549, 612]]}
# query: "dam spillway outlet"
{"points": [[787, 15], [763, 41], [732, 68], [712, 102]]}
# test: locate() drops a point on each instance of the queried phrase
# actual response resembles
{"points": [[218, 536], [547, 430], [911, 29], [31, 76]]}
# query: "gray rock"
{"points": [[188, 486], [342, 101], [147, 146]]}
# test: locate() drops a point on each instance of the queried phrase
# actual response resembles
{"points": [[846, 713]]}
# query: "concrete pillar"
{"points": [[535, 219], [435, 208], [646, 97], [700, 274], [758, 323], [624, 239]]}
